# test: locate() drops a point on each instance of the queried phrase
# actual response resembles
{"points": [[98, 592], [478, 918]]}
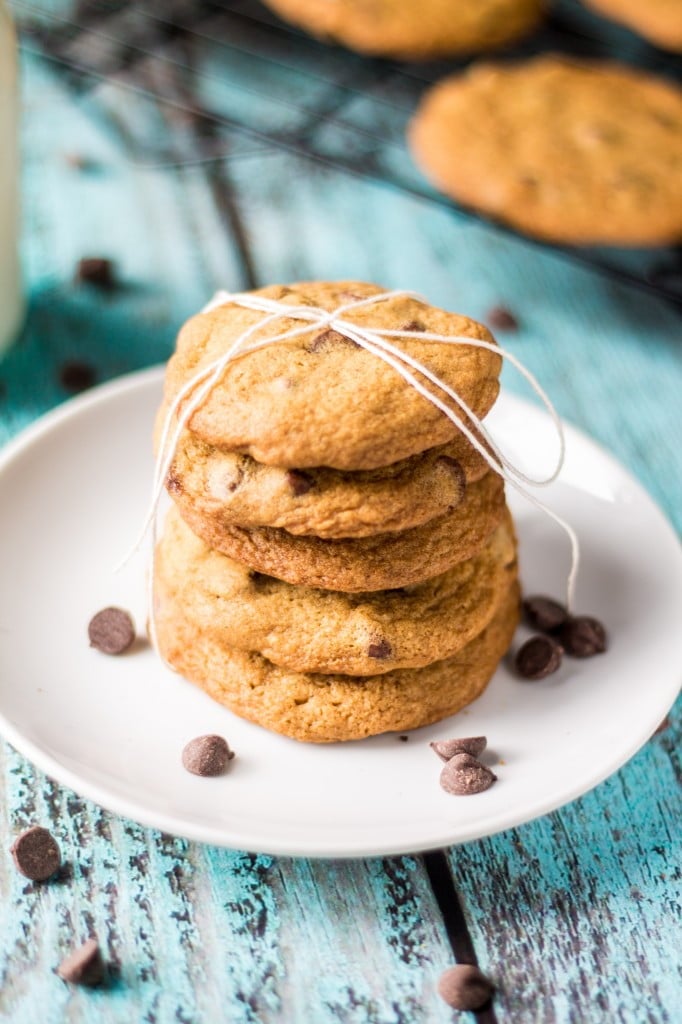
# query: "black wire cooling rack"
{"points": [[230, 77]]}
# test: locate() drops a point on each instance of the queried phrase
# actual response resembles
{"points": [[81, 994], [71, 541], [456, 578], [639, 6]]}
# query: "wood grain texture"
{"points": [[576, 916]]}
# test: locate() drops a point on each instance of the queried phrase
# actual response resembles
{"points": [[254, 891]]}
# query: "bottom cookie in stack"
{"points": [[408, 657]]}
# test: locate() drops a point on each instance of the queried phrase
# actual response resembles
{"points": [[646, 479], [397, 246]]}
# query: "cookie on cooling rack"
{"points": [[577, 152], [412, 30], [659, 21]]}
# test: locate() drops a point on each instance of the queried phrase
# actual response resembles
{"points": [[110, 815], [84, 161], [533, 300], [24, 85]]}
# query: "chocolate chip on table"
{"points": [[95, 270], [111, 631], [207, 755], [75, 376], [665, 724], [84, 966], [544, 613], [502, 319], [472, 745], [36, 854], [582, 637], [463, 775], [538, 657], [299, 482], [403, 739], [380, 649], [464, 987]]}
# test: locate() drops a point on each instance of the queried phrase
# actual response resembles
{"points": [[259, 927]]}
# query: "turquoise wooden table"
{"points": [[198, 146]]}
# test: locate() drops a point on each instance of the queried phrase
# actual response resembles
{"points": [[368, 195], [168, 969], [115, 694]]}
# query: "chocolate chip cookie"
{"points": [[571, 152], [320, 399], [410, 30], [380, 562], [320, 501], [310, 630], [327, 708]]}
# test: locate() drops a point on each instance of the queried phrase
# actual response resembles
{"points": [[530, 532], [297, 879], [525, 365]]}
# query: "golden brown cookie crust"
{"points": [[660, 21], [309, 630], [571, 152], [324, 502], [331, 708], [380, 562], [413, 31], [321, 400]]}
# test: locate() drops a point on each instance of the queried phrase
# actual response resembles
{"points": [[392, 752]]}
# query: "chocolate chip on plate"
{"points": [[207, 755], [583, 636], [464, 987], [111, 631], [380, 649], [544, 613], [463, 775], [84, 966], [36, 854], [95, 270], [299, 482], [472, 745], [538, 657], [502, 319], [75, 376]]}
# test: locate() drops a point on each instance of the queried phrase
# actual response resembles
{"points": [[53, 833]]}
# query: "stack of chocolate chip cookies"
{"points": [[339, 560]]}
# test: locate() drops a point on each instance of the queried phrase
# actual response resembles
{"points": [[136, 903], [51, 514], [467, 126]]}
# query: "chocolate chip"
{"points": [[75, 376], [329, 340], [413, 325], [36, 854], [464, 987], [446, 749], [403, 739], [206, 755], [173, 483], [583, 636], [544, 613], [538, 657], [665, 724], [111, 631], [380, 649], [96, 271], [84, 966], [299, 482], [502, 319], [463, 775]]}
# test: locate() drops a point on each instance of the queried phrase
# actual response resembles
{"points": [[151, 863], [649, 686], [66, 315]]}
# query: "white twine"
{"points": [[373, 340]]}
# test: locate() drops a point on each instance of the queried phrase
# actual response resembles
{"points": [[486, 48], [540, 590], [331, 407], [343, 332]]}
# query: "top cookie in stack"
{"points": [[335, 520], [315, 439]]}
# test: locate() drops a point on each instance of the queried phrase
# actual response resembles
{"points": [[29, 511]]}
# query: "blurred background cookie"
{"points": [[413, 30], [579, 152], [659, 21]]}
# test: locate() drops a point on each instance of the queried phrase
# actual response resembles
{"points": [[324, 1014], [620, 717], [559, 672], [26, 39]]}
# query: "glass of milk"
{"points": [[11, 300]]}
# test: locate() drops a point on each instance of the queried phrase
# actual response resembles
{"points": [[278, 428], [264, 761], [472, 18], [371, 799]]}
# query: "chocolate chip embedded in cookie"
{"points": [[339, 406], [328, 708], [572, 152], [379, 562], [310, 630], [323, 502], [410, 30]]}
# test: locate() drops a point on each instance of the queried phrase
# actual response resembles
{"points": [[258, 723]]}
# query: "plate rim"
{"points": [[222, 837]]}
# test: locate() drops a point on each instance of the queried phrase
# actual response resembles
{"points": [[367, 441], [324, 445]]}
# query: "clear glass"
{"points": [[11, 301]]}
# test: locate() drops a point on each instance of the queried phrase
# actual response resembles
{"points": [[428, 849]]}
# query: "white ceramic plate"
{"points": [[73, 491]]}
